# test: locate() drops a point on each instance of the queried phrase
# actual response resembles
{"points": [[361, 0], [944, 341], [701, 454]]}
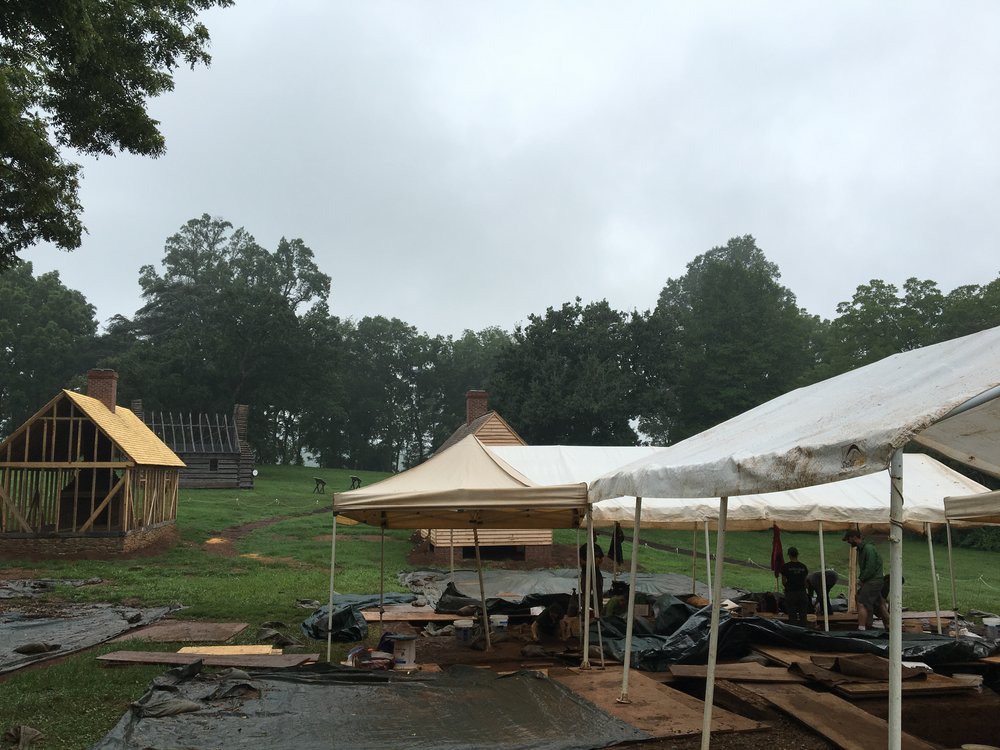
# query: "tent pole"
{"points": [[596, 595], [451, 545], [630, 617], [329, 612], [713, 638], [822, 578], [930, 550], [381, 583], [694, 556], [585, 664], [951, 572], [581, 596], [482, 588], [896, 601], [708, 565]]}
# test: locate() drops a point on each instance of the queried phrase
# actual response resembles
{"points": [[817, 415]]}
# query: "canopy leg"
{"points": [[951, 573], [822, 578], [630, 617], [482, 588], [896, 601], [451, 546], [596, 595], [708, 566], [713, 639], [581, 594], [934, 581], [585, 664], [329, 612], [694, 557], [381, 583]]}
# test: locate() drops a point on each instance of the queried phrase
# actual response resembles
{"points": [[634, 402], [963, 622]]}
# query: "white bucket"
{"points": [[499, 622], [992, 625], [463, 631], [404, 651]]}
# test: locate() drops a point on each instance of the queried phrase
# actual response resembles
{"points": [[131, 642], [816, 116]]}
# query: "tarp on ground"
{"points": [[516, 586], [320, 707], [71, 627], [348, 624], [463, 487], [862, 501], [840, 428], [688, 642]]}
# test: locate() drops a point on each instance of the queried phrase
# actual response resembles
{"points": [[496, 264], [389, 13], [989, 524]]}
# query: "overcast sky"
{"points": [[463, 164]]}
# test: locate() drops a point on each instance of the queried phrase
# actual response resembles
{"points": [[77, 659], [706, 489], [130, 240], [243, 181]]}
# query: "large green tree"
{"points": [[46, 339], [77, 74], [565, 378], [728, 337], [227, 321]]}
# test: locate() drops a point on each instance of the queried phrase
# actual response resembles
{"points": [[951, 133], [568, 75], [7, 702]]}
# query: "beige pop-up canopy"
{"points": [[462, 487]]}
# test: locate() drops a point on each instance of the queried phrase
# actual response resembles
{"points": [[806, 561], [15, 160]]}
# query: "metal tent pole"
{"points": [[381, 583], [713, 639], [896, 601], [329, 612], [451, 545], [694, 557], [934, 580], [951, 572], [585, 664], [708, 565], [482, 588], [822, 567], [581, 594], [630, 617]]}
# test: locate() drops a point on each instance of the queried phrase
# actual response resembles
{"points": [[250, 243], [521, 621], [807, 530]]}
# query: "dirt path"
{"points": [[224, 544]]}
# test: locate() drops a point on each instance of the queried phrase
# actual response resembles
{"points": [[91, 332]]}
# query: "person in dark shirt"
{"points": [[814, 589], [599, 579], [550, 624], [793, 578]]}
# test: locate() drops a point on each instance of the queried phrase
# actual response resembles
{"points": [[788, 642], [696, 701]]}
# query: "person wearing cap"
{"points": [[870, 571], [598, 578], [793, 578]]}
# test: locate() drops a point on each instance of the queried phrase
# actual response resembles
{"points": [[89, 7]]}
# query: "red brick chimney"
{"points": [[475, 405], [103, 385]]}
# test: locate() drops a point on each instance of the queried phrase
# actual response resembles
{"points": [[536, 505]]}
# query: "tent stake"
{"points": [[708, 565], [329, 613], [630, 617], [482, 588], [937, 603], [713, 638], [896, 601], [822, 568]]}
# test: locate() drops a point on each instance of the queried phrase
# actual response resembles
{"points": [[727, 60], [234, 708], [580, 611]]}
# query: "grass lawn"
{"points": [[75, 701]]}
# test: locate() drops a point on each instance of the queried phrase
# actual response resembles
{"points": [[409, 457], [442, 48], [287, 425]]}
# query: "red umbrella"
{"points": [[777, 557]]}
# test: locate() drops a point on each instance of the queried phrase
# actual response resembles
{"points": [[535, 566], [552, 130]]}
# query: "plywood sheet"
{"points": [[407, 613], [181, 631], [263, 661], [846, 726], [223, 650], [739, 672], [785, 656], [933, 684], [657, 709]]}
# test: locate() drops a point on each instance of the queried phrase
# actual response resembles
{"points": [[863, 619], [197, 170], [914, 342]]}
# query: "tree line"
{"points": [[225, 321]]}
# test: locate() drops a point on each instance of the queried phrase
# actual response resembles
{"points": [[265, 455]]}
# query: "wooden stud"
{"points": [[107, 499], [7, 502]]}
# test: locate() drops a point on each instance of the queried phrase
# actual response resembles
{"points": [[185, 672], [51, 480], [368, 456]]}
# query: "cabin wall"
{"points": [[202, 473], [490, 537]]}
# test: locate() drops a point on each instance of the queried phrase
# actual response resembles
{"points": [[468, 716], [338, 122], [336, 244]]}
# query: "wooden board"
{"points": [[846, 726], [181, 631], [263, 661], [231, 650], [407, 613], [933, 684], [657, 709], [785, 656], [739, 672]]}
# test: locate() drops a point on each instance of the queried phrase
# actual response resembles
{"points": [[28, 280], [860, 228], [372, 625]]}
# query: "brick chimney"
{"points": [[103, 385], [475, 405], [137, 409]]}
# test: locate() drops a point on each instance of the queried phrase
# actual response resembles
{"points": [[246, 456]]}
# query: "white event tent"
{"points": [[851, 425]]}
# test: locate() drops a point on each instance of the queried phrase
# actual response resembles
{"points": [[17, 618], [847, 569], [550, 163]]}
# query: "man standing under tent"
{"points": [[870, 572], [793, 579]]}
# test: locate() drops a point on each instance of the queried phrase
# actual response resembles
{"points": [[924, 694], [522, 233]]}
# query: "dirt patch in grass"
{"points": [[16, 574], [349, 538], [222, 544]]}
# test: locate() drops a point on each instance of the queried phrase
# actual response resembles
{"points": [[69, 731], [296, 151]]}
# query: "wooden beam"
{"points": [[67, 464], [5, 499], [104, 503]]}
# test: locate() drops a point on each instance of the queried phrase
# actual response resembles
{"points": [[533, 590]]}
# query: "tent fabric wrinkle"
{"points": [[840, 428]]}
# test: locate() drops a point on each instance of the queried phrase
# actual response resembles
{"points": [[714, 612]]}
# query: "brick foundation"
{"points": [[151, 540]]}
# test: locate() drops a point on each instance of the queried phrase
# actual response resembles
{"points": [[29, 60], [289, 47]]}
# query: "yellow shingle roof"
{"points": [[127, 431]]}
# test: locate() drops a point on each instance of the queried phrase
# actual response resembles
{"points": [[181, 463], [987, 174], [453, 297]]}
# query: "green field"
{"points": [[75, 701]]}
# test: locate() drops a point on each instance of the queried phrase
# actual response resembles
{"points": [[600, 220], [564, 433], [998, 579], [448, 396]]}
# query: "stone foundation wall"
{"points": [[147, 541]]}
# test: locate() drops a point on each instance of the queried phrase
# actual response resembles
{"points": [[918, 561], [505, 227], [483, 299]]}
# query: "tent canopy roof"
{"points": [[844, 427], [463, 487], [983, 508]]}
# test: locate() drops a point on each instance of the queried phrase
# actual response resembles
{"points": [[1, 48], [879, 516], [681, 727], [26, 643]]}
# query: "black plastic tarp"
{"points": [[323, 707], [348, 623], [65, 628], [687, 643]]}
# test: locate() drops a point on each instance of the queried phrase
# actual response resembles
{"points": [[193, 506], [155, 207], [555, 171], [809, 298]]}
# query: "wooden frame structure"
{"points": [[78, 469]]}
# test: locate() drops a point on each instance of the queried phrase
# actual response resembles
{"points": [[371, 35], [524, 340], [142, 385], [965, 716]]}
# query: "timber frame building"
{"points": [[84, 477]]}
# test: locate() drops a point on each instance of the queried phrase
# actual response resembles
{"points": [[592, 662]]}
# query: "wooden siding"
{"points": [[491, 537], [200, 475], [495, 431]]}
